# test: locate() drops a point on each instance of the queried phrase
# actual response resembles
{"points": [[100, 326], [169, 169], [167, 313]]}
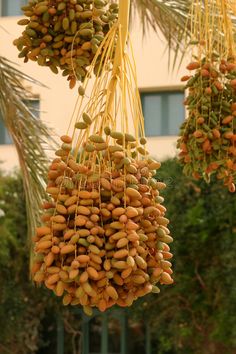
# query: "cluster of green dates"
{"points": [[207, 140], [121, 140], [65, 34]]}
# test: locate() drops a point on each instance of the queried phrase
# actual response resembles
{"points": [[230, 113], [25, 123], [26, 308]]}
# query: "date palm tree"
{"points": [[31, 136]]}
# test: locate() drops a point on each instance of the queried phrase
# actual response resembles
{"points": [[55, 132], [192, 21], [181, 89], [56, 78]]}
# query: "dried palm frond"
{"points": [[30, 136]]}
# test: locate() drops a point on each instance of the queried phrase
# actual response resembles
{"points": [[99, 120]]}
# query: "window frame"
{"points": [[2, 8], [161, 89], [35, 97]]}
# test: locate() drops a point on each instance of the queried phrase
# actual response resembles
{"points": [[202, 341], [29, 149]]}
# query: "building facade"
{"points": [[161, 96], [161, 91]]}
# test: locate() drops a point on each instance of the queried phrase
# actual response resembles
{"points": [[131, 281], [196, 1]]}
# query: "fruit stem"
{"points": [[123, 25]]}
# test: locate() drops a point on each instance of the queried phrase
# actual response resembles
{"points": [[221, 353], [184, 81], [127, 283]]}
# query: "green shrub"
{"points": [[22, 306], [197, 314]]}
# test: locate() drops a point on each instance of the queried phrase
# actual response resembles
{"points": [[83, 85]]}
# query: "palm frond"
{"points": [[167, 16], [29, 134], [172, 18]]}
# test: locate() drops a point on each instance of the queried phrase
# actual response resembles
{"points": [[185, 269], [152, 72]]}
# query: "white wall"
{"points": [[57, 101], [8, 157]]}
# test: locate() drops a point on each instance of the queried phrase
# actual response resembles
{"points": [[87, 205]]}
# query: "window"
{"points": [[163, 112], [5, 138], [12, 7], [34, 106]]}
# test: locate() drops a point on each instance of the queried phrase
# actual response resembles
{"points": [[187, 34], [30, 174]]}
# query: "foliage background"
{"points": [[22, 307], [197, 315]]}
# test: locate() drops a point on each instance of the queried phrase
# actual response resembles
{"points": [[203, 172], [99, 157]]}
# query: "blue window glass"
{"points": [[12, 7], [163, 112], [5, 138]]}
